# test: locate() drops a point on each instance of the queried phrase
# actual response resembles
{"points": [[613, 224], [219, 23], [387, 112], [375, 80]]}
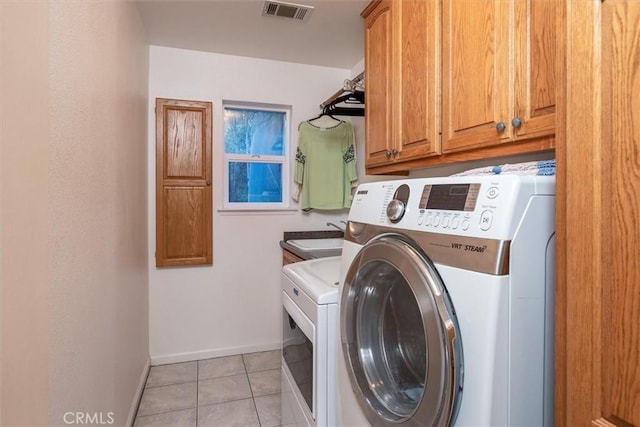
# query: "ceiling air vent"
{"points": [[296, 12]]}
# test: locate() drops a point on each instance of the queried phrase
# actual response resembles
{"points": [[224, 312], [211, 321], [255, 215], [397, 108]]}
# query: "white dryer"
{"points": [[309, 325], [446, 303]]}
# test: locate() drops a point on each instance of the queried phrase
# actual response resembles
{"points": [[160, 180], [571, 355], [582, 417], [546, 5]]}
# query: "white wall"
{"points": [[73, 211], [24, 216], [233, 306], [98, 65]]}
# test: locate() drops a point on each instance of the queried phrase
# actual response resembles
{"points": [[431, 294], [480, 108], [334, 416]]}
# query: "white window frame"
{"points": [[284, 159]]}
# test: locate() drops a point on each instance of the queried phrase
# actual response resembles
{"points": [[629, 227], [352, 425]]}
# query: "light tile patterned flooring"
{"points": [[242, 390]]}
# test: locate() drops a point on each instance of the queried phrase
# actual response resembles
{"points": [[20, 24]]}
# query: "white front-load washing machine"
{"points": [[446, 303]]}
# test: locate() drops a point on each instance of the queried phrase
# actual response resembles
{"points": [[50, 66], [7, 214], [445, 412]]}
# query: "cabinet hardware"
{"points": [[516, 122], [500, 126]]}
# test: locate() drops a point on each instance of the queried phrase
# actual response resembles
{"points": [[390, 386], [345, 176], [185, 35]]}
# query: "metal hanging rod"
{"points": [[355, 84]]}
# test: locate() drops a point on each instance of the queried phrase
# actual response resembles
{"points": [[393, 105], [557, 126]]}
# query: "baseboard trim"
{"points": [[209, 354], [138, 396]]}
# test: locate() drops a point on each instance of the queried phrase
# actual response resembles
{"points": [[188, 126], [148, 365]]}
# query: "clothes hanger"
{"points": [[352, 99], [356, 97], [325, 113], [347, 111]]}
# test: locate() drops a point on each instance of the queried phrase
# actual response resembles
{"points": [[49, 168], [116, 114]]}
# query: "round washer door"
{"points": [[400, 337]]}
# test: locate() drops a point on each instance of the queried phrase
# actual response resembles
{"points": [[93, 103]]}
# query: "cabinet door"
{"points": [[535, 66], [597, 381], [290, 258], [378, 88], [477, 82], [183, 183], [416, 110]]}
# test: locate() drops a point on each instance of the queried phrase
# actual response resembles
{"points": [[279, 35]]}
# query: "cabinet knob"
{"points": [[516, 122], [395, 152], [500, 126], [388, 153], [208, 183]]}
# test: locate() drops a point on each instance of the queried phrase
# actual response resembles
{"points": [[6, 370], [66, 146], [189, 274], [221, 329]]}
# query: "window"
{"points": [[256, 147]]}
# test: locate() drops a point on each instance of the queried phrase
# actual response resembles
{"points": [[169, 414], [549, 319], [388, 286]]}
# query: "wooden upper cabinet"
{"points": [[417, 60], [475, 72], [183, 183], [402, 80], [379, 81], [535, 67], [498, 71]]}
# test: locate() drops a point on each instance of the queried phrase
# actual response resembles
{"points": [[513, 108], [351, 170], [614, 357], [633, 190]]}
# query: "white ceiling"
{"points": [[333, 36]]}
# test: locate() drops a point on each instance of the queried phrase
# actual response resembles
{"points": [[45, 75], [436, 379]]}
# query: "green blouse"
{"points": [[325, 166]]}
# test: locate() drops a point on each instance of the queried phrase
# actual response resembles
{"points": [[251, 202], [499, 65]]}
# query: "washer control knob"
{"points": [[395, 210], [397, 206]]}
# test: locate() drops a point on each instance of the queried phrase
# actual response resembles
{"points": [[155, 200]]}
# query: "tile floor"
{"points": [[242, 390]]}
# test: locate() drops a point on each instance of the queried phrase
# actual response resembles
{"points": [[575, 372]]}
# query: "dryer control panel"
{"points": [[470, 205]]}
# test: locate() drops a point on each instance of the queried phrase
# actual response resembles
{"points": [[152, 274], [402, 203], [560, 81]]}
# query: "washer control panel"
{"points": [[465, 205], [455, 206]]}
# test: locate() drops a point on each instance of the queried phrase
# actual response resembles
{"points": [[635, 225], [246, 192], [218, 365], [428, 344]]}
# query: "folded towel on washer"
{"points": [[540, 167]]}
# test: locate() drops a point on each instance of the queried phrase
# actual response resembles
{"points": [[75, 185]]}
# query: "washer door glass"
{"points": [[400, 337]]}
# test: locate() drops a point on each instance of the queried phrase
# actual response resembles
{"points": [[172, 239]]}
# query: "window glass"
{"points": [[251, 182], [253, 132], [256, 139]]}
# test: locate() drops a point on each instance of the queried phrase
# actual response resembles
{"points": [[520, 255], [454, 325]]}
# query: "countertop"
{"points": [[294, 235]]}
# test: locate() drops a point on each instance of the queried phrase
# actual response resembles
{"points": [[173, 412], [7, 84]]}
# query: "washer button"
{"points": [[445, 221], [455, 222], [436, 221], [420, 219], [429, 220], [465, 225], [485, 220], [492, 192]]}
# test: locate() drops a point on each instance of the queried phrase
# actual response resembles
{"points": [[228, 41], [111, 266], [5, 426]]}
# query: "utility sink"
{"points": [[319, 247]]}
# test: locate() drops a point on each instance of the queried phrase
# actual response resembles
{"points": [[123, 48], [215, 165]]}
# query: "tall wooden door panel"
{"points": [[185, 218], [183, 183], [598, 276]]}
